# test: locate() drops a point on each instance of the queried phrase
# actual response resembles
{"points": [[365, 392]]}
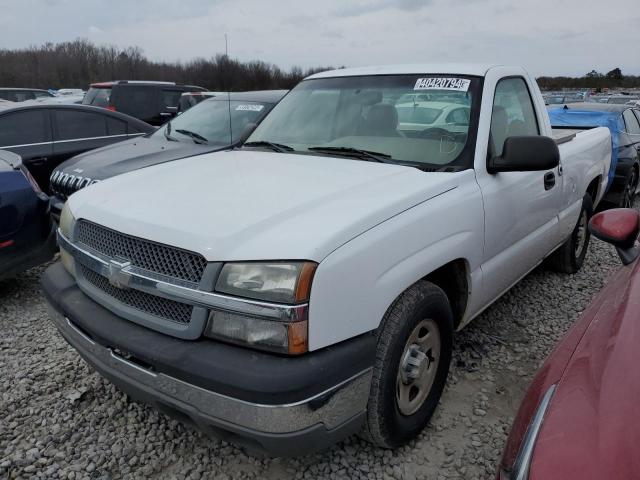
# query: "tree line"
{"points": [[79, 63], [594, 80]]}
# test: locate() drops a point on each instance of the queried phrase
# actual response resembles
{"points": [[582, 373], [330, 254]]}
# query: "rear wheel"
{"points": [[629, 193], [570, 256], [411, 367]]}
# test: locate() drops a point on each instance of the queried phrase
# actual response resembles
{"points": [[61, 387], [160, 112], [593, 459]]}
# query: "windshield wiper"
{"points": [[355, 152], [167, 134], [196, 137], [276, 147]]}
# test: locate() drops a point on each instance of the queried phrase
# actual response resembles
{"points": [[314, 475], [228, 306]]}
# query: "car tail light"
{"points": [[31, 180], [6, 244], [111, 108]]}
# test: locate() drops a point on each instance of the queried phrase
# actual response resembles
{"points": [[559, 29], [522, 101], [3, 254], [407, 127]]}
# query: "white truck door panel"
{"points": [[520, 226], [521, 209]]}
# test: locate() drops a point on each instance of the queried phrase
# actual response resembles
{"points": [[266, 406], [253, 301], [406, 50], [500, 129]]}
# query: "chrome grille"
{"points": [[153, 257], [64, 184], [150, 304]]}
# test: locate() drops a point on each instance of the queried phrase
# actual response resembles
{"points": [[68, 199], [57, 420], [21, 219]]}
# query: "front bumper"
{"points": [[14, 261], [277, 405]]}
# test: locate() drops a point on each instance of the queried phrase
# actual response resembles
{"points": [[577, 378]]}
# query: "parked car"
{"points": [[203, 129], [289, 293], [61, 100], [47, 135], [151, 102], [189, 99], [621, 99], [579, 416], [23, 94], [26, 235], [562, 99], [63, 92], [624, 123]]}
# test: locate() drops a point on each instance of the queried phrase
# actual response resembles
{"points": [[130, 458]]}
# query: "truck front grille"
{"points": [[64, 184], [157, 306], [153, 257]]}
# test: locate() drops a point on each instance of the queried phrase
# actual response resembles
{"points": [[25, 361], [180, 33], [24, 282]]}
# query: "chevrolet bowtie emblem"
{"points": [[117, 276]]}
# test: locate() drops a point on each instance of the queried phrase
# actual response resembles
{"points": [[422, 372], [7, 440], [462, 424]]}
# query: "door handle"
{"points": [[38, 162], [549, 180]]}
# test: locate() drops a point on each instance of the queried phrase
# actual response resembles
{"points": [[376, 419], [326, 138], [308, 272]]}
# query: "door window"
{"points": [[513, 114], [73, 125], [116, 127], [631, 122], [24, 128], [170, 98], [137, 101]]}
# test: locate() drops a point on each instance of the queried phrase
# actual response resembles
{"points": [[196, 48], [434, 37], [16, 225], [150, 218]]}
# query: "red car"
{"points": [[580, 418]]}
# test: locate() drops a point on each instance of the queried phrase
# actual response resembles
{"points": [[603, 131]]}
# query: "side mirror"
{"points": [[247, 131], [526, 154], [619, 227]]}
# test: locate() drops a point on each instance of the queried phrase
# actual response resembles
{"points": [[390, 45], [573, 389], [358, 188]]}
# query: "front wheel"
{"points": [[570, 256], [413, 354]]}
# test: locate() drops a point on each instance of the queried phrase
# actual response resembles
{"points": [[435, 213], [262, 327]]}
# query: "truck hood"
{"points": [[590, 430], [132, 154], [256, 205]]}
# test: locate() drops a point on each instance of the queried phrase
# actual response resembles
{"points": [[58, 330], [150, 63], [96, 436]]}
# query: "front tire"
{"points": [[413, 355], [570, 256]]}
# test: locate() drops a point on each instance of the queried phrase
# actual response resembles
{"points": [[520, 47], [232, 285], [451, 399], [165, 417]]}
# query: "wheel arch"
{"points": [[593, 189], [453, 279]]}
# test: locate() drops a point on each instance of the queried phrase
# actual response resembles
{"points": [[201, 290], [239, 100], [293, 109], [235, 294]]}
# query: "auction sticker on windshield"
{"points": [[250, 108], [435, 83]]}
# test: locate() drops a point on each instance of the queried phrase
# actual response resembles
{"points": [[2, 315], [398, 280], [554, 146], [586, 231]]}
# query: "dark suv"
{"points": [[151, 102]]}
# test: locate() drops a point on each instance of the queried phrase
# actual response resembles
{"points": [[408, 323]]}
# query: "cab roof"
{"points": [[418, 68]]}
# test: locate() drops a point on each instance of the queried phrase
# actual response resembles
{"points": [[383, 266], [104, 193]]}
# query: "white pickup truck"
{"points": [[308, 285]]}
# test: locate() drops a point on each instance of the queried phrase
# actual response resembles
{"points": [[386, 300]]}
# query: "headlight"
{"points": [[66, 228], [66, 221], [287, 283], [280, 282], [283, 337]]}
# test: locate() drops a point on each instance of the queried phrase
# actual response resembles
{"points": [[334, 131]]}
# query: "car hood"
{"points": [[9, 160], [590, 430], [132, 154], [253, 205]]}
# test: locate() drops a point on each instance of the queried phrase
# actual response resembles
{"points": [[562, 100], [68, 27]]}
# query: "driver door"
{"points": [[521, 208]]}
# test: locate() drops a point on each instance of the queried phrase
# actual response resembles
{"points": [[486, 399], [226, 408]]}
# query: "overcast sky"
{"points": [[550, 37]]}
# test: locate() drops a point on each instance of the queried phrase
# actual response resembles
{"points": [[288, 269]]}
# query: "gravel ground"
{"points": [[59, 419]]}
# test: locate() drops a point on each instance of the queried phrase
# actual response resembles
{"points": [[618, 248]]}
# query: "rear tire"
{"points": [[628, 194], [570, 256], [413, 355]]}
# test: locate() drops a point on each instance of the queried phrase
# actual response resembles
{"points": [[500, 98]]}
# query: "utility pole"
{"points": [[226, 46]]}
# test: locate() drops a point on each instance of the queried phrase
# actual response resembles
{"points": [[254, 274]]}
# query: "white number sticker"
{"points": [[435, 83], [250, 108]]}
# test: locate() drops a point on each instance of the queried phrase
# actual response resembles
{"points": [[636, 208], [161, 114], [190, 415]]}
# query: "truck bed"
{"points": [[564, 135]]}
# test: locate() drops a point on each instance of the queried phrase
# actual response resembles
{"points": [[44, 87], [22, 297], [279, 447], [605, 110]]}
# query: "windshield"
{"points": [[98, 97], [409, 119], [208, 122]]}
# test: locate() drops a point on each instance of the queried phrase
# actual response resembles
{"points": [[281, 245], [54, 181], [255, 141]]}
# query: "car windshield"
{"points": [[208, 122], [98, 97], [421, 120]]}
